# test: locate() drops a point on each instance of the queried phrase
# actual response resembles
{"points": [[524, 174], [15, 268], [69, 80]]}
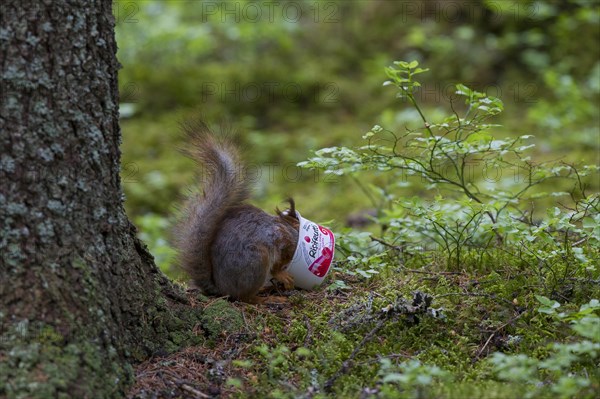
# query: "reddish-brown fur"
{"points": [[226, 246]]}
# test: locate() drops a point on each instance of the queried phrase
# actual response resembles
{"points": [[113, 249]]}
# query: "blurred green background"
{"points": [[295, 76]]}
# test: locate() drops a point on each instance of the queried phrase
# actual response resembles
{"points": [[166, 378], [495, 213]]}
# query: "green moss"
{"points": [[481, 389], [307, 344], [37, 364], [220, 318], [37, 361]]}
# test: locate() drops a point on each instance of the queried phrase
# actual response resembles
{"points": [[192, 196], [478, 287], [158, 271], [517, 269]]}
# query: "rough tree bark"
{"points": [[80, 296]]}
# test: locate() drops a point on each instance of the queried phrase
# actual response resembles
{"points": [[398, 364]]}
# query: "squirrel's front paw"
{"points": [[286, 279]]}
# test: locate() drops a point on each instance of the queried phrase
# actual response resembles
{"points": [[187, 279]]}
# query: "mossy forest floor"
{"points": [[365, 340]]}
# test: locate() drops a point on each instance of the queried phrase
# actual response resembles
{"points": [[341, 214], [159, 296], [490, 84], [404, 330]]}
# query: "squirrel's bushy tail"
{"points": [[224, 184]]}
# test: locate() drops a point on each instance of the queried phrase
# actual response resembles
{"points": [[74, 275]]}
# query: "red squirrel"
{"points": [[229, 247]]}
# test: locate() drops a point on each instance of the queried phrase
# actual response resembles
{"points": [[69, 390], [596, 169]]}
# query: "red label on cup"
{"points": [[321, 265]]}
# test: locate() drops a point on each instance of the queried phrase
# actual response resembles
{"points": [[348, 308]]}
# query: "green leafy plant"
{"points": [[410, 379], [474, 205], [566, 372]]}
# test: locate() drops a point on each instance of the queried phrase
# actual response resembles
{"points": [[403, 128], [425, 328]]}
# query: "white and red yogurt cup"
{"points": [[313, 256]]}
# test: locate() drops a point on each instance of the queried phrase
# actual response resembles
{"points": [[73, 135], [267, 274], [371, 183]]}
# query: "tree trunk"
{"points": [[80, 296]]}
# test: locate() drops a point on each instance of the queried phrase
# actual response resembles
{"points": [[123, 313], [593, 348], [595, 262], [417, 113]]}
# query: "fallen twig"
{"points": [[348, 363], [308, 339], [193, 391], [387, 244], [466, 293], [494, 333], [419, 305]]}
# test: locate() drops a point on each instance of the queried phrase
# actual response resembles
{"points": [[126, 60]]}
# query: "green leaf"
{"points": [[593, 304], [463, 90], [549, 305], [394, 377], [588, 327]]}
